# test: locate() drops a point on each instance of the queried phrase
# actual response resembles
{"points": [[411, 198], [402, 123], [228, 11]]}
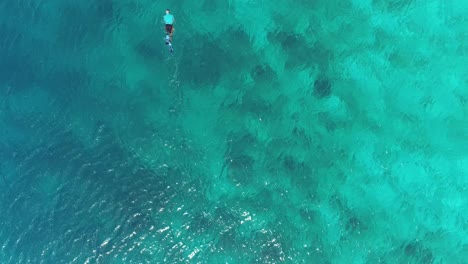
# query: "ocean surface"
{"points": [[278, 131]]}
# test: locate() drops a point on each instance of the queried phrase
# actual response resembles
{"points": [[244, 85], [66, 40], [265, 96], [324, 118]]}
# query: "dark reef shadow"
{"points": [[299, 52], [322, 87], [238, 163], [204, 63], [416, 251]]}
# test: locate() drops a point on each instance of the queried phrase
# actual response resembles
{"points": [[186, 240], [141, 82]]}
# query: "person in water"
{"points": [[169, 21]]}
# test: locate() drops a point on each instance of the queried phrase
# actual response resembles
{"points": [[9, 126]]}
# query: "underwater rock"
{"points": [[287, 40], [322, 88], [262, 73], [353, 224], [416, 250]]}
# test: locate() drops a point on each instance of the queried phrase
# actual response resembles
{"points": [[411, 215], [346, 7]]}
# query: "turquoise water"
{"points": [[284, 131]]}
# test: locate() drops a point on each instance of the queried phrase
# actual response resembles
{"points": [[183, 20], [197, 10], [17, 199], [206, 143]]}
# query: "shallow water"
{"points": [[305, 132]]}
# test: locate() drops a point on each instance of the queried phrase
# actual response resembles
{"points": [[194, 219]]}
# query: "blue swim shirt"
{"points": [[168, 19]]}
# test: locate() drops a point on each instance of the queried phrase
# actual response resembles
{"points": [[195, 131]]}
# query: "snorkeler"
{"points": [[169, 21]]}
